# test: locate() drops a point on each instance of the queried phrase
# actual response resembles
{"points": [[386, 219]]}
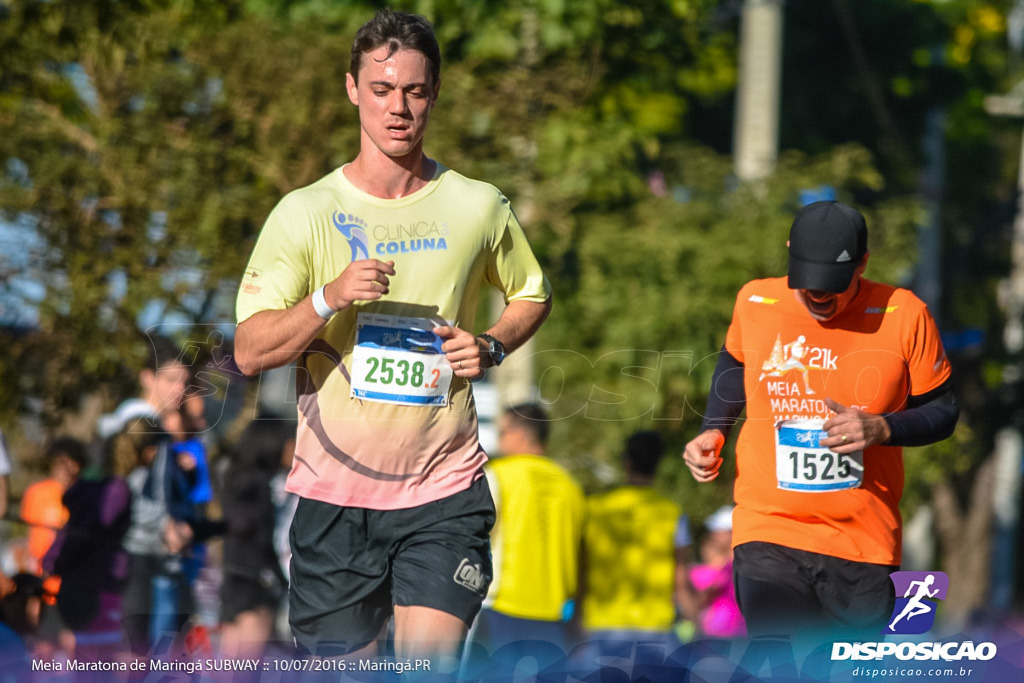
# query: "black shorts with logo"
{"points": [[350, 566], [783, 590]]}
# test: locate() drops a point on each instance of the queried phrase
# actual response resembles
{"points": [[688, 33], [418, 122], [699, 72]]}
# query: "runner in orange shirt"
{"points": [[817, 528]]}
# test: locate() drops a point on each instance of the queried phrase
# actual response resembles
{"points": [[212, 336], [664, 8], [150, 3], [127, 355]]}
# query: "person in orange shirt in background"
{"points": [[41, 506], [817, 528]]}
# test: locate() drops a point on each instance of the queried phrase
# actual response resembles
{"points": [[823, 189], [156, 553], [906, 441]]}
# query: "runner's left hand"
{"points": [[462, 349], [851, 429]]}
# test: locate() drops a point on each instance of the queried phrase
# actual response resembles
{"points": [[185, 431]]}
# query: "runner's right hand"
{"points": [[363, 280], [702, 455]]}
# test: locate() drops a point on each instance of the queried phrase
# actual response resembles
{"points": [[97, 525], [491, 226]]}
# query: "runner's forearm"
{"points": [[519, 321], [928, 418], [727, 397], [271, 339]]}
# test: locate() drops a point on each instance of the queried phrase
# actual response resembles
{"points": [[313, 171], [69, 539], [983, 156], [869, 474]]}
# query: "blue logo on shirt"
{"points": [[353, 229]]}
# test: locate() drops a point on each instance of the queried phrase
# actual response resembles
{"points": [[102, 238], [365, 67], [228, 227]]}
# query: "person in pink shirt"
{"points": [[720, 617]]}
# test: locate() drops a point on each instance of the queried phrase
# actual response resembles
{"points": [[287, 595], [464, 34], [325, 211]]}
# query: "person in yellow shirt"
{"points": [[369, 279], [636, 551], [536, 539]]}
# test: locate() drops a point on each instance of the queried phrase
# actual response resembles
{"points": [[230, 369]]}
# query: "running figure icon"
{"points": [[916, 606], [786, 358]]}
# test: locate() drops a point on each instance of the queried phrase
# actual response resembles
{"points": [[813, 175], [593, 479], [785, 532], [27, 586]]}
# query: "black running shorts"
{"points": [[350, 566], [783, 591]]}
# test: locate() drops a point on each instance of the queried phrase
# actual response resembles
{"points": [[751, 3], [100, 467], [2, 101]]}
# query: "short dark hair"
{"points": [[69, 446], [643, 452], [160, 353], [397, 30], [532, 418]]}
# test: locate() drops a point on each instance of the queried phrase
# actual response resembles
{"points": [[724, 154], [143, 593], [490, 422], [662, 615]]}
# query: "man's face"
{"points": [[827, 305], [395, 95]]}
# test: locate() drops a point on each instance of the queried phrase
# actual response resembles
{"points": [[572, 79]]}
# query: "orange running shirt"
{"points": [[881, 349], [44, 512]]}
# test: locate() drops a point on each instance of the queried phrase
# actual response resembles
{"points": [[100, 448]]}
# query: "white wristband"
{"points": [[321, 306]]}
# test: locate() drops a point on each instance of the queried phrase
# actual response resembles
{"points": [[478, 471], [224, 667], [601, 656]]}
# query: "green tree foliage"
{"points": [[146, 142], [116, 156], [854, 82]]}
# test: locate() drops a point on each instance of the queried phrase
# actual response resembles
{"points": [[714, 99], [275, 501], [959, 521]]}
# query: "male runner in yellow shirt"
{"points": [[369, 279]]}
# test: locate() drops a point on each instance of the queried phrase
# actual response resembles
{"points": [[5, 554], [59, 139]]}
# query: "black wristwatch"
{"points": [[495, 349]]}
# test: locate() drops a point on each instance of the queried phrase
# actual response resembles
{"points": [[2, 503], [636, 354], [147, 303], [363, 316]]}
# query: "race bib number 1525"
{"points": [[802, 464]]}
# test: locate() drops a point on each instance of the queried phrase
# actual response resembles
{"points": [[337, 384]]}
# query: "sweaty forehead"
{"points": [[409, 66]]}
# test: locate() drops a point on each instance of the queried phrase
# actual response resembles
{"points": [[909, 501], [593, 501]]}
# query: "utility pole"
{"points": [[756, 131]]}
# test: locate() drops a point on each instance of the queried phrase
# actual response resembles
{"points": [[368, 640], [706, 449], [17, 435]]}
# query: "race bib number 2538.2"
{"points": [[399, 360]]}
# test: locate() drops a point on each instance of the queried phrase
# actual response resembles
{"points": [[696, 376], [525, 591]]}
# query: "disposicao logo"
{"points": [[917, 594]]}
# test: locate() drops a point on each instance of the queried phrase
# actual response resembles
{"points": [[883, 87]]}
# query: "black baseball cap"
{"points": [[826, 244]]}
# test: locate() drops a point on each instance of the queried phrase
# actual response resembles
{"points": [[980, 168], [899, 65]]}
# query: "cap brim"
{"points": [[720, 519], [825, 277]]}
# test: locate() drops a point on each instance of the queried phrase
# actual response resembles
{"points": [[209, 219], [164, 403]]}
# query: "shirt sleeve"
{"points": [[928, 364], [278, 273], [727, 397], [927, 419], [514, 268], [734, 335]]}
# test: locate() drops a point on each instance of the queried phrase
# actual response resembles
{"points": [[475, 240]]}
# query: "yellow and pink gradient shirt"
{"points": [[386, 426]]}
